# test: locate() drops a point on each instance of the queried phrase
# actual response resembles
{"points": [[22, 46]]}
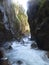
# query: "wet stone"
{"points": [[7, 46], [1, 53], [33, 45], [19, 62], [48, 54], [10, 47], [4, 61]]}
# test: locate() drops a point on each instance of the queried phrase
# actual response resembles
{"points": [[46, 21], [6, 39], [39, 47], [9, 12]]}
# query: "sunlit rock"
{"points": [[14, 23]]}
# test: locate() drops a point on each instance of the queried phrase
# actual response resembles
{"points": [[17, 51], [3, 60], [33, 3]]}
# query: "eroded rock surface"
{"points": [[38, 19], [5, 35]]}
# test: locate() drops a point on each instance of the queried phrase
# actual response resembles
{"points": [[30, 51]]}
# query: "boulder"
{"points": [[3, 59], [38, 19], [1, 53], [48, 54], [34, 45], [19, 62]]}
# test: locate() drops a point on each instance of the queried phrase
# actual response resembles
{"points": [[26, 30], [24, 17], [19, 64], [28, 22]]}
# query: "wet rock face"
{"points": [[3, 60], [5, 35], [48, 54], [1, 54], [39, 24]]}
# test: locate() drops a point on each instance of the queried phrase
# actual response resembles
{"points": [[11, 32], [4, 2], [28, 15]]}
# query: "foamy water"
{"points": [[28, 56]]}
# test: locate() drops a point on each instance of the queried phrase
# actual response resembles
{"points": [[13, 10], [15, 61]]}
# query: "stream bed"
{"points": [[22, 54]]}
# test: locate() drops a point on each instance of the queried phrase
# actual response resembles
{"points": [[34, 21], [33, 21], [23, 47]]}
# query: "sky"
{"points": [[22, 2]]}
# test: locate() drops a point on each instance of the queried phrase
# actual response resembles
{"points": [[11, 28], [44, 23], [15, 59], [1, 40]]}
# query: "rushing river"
{"points": [[21, 51]]}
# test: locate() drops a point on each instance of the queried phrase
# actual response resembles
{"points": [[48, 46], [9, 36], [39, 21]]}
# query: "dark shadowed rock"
{"points": [[10, 47], [1, 53], [47, 54], [7, 46], [33, 45], [5, 35], [19, 62], [38, 19], [3, 59]]}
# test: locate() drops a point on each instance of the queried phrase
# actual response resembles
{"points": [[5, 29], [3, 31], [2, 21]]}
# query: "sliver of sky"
{"points": [[22, 2]]}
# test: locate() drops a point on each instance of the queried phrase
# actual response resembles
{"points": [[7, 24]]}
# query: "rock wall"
{"points": [[9, 23], [5, 32], [38, 19]]}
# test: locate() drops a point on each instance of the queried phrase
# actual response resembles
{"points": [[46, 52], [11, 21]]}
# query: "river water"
{"points": [[22, 51]]}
